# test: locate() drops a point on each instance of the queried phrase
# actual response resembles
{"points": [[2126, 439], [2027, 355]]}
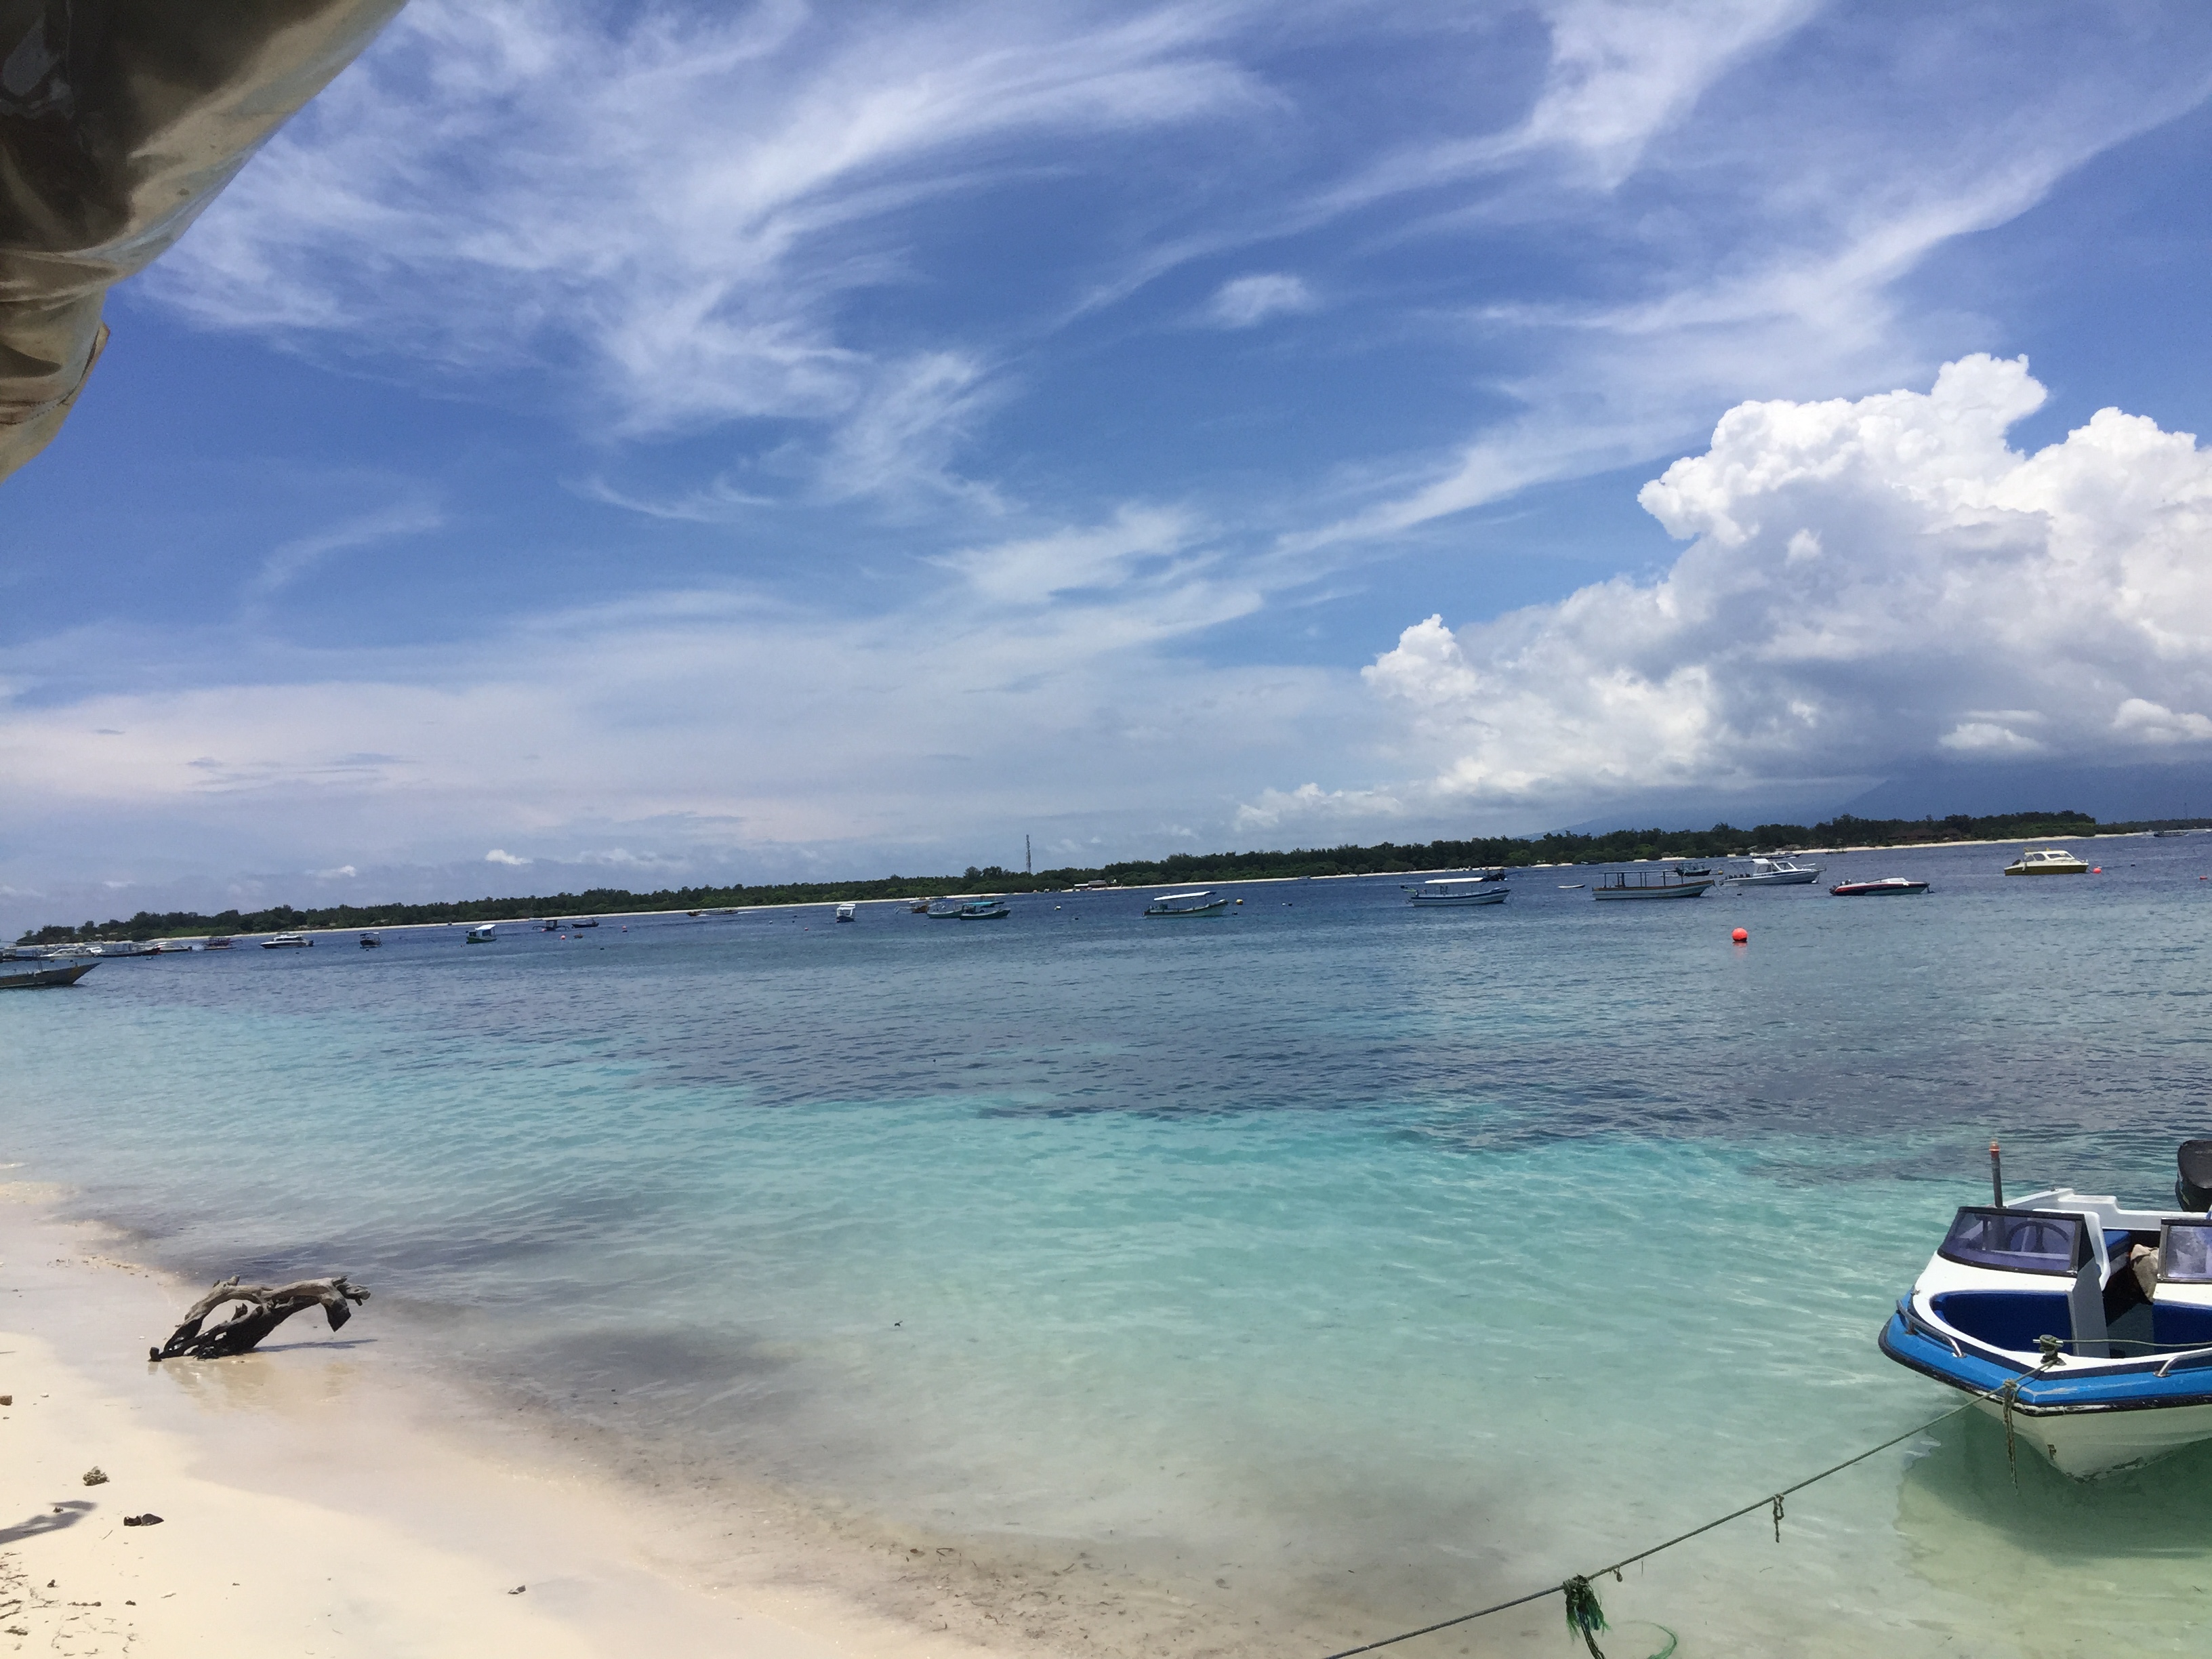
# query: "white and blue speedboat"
{"points": [[2100, 1316]]}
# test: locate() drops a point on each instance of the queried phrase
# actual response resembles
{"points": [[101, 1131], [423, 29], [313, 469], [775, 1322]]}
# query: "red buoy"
{"points": [[1741, 936], [2096, 869]]}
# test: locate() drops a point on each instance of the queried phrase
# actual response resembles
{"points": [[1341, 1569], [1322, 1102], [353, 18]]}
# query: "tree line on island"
{"points": [[1385, 857]]}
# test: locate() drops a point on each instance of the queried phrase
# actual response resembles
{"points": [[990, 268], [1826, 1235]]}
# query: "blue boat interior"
{"points": [[2014, 1320], [2011, 1320]]}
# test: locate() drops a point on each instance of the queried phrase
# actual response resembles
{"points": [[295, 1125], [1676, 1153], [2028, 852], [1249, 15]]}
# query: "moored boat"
{"points": [[1188, 904], [1776, 871], [41, 979], [2095, 1318], [1456, 892], [845, 910], [583, 922], [1649, 884], [220, 942], [370, 942], [2046, 861], [983, 910], [945, 909], [1885, 887], [483, 933], [286, 942]]}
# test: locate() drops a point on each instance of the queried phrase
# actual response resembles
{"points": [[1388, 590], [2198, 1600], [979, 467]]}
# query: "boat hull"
{"points": [[2085, 1422], [1687, 890], [44, 979], [1458, 901], [2088, 1443], [1785, 878], [1878, 889]]}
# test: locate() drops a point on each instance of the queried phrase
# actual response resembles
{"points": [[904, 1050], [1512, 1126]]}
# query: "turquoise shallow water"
{"points": [[1326, 1268]]}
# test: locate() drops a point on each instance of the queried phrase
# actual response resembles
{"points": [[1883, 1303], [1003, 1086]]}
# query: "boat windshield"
{"points": [[2184, 1254], [2019, 1241]]}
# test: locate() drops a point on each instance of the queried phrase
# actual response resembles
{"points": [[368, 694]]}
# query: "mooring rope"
{"points": [[1585, 1616]]}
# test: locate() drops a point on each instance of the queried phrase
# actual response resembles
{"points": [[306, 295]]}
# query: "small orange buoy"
{"points": [[2096, 869], [1741, 936]]}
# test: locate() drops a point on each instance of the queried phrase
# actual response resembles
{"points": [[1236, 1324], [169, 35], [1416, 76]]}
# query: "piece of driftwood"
{"points": [[261, 1311]]}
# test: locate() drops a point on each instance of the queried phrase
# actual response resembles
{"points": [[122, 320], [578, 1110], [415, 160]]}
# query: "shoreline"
{"points": [[317, 1499], [195, 940]]}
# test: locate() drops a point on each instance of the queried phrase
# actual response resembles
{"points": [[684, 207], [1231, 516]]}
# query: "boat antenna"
{"points": [[1996, 1173]]}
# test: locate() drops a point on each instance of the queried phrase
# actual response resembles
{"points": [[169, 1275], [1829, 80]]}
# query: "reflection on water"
{"points": [[2119, 1565]]}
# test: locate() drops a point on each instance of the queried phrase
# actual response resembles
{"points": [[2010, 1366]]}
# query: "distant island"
{"points": [[1385, 857]]}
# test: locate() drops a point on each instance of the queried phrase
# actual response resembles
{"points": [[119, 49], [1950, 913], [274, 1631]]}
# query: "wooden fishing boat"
{"points": [[41, 979], [1188, 904], [1649, 884]]}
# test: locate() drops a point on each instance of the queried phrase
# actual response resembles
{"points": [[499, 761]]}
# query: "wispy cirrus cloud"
{"points": [[1247, 301], [291, 560], [670, 209]]}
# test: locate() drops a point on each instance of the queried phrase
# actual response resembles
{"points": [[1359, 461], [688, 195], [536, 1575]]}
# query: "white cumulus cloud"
{"points": [[1868, 584], [500, 855]]}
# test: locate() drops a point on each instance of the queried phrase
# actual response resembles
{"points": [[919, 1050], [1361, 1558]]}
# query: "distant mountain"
{"points": [[2110, 793]]}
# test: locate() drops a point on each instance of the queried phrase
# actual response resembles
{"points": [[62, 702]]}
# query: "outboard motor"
{"points": [[2193, 1190]]}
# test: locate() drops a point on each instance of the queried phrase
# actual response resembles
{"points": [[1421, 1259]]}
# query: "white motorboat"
{"points": [[845, 911], [2097, 1318], [286, 942], [1659, 884], [1454, 892], [482, 934], [1776, 872], [2046, 861], [1188, 904]]}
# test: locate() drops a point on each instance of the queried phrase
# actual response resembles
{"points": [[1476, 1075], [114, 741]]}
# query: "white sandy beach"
{"points": [[311, 1506]]}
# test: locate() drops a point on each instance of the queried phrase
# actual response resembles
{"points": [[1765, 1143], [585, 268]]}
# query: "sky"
{"points": [[628, 445]]}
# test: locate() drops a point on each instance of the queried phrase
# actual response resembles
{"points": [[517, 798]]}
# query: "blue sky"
{"points": [[742, 440]]}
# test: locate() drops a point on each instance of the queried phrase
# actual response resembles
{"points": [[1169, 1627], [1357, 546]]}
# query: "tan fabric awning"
{"points": [[119, 121]]}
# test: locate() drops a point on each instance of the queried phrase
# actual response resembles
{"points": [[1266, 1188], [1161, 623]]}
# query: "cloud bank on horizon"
{"points": [[1868, 583], [769, 440]]}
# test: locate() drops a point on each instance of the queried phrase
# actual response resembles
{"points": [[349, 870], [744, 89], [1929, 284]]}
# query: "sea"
{"points": [[1266, 1282]]}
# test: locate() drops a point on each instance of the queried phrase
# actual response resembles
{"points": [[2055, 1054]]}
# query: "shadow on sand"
{"points": [[64, 1515]]}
